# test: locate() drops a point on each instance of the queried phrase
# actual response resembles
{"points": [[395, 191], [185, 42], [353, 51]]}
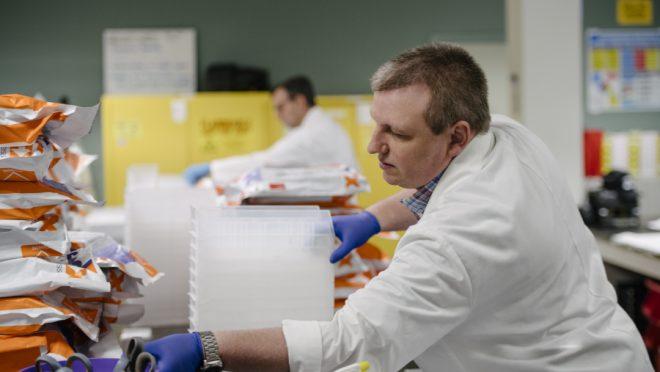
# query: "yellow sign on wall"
{"points": [[226, 124], [634, 12]]}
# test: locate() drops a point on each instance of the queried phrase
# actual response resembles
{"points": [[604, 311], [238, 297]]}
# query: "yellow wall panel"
{"points": [[139, 129], [176, 131]]}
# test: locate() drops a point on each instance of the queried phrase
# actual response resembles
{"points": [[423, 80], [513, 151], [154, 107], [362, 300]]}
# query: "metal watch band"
{"points": [[212, 361]]}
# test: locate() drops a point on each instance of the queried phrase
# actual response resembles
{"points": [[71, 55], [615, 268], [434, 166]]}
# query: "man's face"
{"points": [[409, 153], [290, 110]]}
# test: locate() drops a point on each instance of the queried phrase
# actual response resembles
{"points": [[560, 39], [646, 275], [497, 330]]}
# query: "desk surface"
{"points": [[628, 258]]}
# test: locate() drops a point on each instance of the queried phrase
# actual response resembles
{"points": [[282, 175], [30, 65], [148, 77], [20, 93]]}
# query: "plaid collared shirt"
{"points": [[419, 200]]}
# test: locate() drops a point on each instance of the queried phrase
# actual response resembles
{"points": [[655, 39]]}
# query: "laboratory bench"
{"points": [[631, 259]]}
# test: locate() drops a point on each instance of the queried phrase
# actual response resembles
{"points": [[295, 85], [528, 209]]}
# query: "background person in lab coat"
{"points": [[313, 138], [496, 270]]}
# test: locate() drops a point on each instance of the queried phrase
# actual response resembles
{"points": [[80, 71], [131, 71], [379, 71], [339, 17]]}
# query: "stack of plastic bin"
{"points": [[252, 267], [332, 187], [158, 221]]}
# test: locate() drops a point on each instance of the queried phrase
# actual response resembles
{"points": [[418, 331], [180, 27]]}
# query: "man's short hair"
{"points": [[458, 85], [299, 85]]}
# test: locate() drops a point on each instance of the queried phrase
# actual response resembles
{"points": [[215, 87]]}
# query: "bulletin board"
{"points": [[623, 72]]}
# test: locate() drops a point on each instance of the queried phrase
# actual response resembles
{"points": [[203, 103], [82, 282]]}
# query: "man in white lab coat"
{"points": [[496, 271], [313, 138]]}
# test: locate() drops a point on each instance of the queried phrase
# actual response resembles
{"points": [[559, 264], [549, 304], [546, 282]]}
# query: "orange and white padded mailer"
{"points": [[110, 254], [18, 352], [45, 238], [23, 119], [26, 163], [32, 275], [67, 166], [31, 200], [26, 315]]}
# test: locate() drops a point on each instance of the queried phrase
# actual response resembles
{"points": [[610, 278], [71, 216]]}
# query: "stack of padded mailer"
{"points": [[332, 187], [46, 279], [125, 270]]}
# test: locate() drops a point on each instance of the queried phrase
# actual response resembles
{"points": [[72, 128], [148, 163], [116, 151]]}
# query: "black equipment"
{"points": [[231, 77], [615, 205]]}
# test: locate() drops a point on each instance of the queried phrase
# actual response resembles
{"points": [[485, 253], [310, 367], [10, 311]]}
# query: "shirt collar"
{"points": [[420, 199]]}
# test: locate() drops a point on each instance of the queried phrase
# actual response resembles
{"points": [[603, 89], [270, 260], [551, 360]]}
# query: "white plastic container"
{"points": [[253, 267], [158, 212]]}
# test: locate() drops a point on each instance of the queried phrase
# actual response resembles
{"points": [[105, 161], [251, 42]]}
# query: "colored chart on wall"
{"points": [[623, 70]]}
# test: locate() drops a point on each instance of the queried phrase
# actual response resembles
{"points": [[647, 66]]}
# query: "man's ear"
{"points": [[460, 135]]}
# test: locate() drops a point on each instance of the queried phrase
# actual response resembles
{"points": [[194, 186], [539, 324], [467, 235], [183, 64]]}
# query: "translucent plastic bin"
{"points": [[253, 267]]}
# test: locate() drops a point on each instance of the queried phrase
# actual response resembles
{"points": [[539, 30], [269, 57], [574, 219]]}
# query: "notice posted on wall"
{"points": [[159, 60], [623, 70]]}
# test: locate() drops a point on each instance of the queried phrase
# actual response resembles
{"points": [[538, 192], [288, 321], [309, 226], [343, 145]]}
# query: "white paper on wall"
{"points": [[620, 152], [149, 60]]}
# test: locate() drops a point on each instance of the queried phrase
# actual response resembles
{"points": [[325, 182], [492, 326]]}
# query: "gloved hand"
{"points": [[353, 230], [196, 172], [177, 352]]}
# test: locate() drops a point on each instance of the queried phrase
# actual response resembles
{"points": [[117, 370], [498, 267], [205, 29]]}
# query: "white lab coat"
{"points": [[499, 274], [317, 140]]}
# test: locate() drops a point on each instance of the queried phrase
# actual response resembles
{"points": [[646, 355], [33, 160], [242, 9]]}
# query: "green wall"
{"points": [[602, 14], [55, 47]]}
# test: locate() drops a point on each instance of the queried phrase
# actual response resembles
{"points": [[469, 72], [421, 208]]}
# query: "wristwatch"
{"points": [[212, 361]]}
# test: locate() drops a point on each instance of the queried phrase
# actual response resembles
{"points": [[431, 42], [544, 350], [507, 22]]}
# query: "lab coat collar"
{"points": [[466, 162], [312, 115]]}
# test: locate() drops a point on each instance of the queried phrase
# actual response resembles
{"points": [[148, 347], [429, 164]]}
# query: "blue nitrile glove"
{"points": [[353, 230], [196, 172], [177, 352]]}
